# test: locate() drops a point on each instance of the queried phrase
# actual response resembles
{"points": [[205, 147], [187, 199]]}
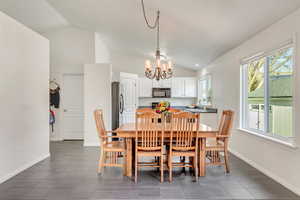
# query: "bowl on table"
{"points": [[191, 106]]}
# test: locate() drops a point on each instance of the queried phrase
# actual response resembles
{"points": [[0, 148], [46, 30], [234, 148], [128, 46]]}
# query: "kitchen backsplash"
{"points": [[173, 101]]}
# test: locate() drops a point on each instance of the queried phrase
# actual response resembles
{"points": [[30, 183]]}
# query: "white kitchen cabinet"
{"points": [[184, 87], [167, 83], [190, 87], [157, 84], [178, 87], [145, 87]]}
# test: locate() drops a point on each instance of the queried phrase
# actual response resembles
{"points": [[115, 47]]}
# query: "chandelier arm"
{"points": [[150, 74], [157, 73], [154, 74], [163, 75]]}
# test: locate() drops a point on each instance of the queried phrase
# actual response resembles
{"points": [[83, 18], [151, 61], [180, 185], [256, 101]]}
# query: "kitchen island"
{"points": [[193, 110]]}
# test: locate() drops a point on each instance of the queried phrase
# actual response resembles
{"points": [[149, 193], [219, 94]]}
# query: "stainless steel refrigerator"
{"points": [[117, 104]]}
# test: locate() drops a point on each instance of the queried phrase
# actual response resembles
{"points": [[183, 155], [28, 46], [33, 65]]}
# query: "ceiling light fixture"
{"points": [[163, 68]]}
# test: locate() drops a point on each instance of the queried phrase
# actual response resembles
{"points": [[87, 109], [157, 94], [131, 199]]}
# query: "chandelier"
{"points": [[161, 68]]}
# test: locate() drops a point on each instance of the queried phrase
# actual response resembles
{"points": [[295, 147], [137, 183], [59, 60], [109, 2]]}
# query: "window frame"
{"points": [[244, 109]]}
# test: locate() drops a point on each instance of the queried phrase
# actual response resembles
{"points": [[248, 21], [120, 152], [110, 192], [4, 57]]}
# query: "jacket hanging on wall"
{"points": [[54, 97], [52, 119]]}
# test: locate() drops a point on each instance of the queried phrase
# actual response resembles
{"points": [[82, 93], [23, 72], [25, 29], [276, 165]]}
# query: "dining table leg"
{"points": [[202, 155], [129, 157]]}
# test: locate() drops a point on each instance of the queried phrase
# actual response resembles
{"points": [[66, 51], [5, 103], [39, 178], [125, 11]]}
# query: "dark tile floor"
{"points": [[71, 174]]}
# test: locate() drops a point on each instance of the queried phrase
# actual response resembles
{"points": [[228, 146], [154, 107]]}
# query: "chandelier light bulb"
{"points": [[148, 64], [164, 67], [170, 65]]}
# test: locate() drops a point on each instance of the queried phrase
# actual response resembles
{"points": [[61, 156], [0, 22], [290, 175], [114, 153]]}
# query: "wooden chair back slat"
{"points": [[98, 115], [186, 125], [149, 133], [226, 123]]}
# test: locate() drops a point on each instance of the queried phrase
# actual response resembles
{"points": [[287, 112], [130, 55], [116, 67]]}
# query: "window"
{"points": [[267, 94], [205, 90]]}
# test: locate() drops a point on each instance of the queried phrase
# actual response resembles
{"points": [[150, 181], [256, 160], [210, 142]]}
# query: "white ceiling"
{"points": [[36, 14], [192, 31]]}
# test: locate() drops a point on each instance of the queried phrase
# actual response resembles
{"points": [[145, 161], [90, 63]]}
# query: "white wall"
{"points": [[102, 54], [70, 49], [24, 75], [97, 95], [276, 160]]}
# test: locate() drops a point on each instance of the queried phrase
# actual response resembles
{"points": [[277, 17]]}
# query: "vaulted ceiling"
{"points": [[192, 31]]}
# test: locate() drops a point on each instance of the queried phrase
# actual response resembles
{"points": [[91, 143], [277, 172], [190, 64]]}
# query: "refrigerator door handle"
{"points": [[121, 103]]}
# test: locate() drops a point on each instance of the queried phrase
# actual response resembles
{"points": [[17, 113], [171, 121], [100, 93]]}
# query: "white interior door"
{"points": [[72, 99], [129, 97]]}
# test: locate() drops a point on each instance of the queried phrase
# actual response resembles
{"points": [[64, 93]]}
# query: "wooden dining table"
{"points": [[127, 131]]}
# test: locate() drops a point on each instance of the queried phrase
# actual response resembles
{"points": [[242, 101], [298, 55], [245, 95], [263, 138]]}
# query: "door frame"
{"points": [[62, 117]]}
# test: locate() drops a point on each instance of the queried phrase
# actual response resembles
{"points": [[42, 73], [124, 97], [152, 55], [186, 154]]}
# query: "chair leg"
{"points": [[191, 162], [226, 161], [161, 169], [182, 159], [124, 163], [136, 168], [101, 161], [196, 167], [157, 161], [170, 167]]}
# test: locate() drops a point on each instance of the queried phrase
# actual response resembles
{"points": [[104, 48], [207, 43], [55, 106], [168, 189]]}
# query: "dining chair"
{"points": [[149, 141], [141, 110], [183, 141], [220, 143], [110, 151]]}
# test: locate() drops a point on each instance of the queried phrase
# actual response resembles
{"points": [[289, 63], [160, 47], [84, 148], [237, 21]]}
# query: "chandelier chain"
{"points": [[157, 34], [156, 23], [145, 17]]}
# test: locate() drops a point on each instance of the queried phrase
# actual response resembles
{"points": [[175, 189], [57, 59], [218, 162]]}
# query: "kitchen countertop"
{"points": [[193, 110], [202, 110]]}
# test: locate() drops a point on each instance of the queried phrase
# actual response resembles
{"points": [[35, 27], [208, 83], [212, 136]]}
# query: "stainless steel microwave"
{"points": [[161, 92]]}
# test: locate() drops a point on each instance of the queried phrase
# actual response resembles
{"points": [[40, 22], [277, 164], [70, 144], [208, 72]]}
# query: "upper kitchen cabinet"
{"points": [[191, 87], [184, 87], [180, 87], [177, 89], [145, 87], [162, 83]]}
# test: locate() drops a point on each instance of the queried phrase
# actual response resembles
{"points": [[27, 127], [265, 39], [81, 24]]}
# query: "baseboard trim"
{"points": [[24, 167], [267, 172], [91, 144]]}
